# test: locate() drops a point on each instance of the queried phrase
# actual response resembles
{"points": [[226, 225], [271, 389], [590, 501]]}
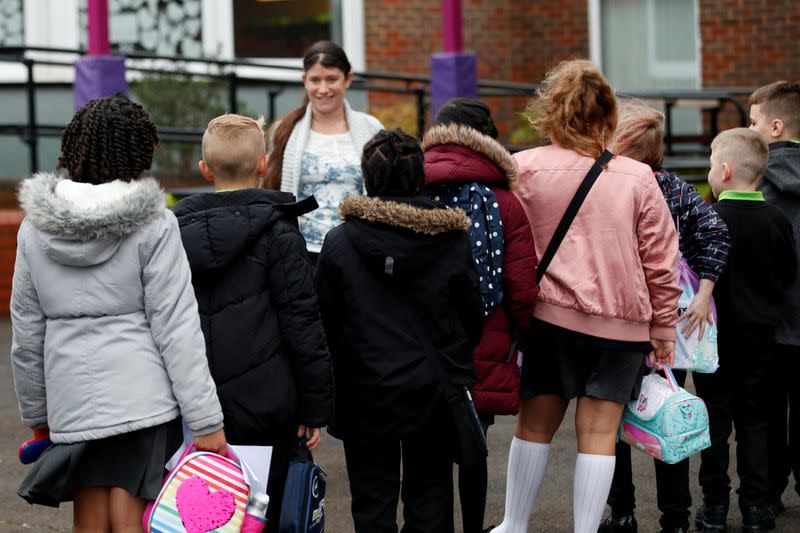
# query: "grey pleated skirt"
{"points": [[132, 461]]}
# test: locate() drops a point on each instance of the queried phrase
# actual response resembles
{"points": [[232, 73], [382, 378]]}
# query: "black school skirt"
{"points": [[132, 461], [571, 364]]}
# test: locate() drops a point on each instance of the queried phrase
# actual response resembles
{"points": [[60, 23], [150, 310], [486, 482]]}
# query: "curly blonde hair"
{"points": [[233, 145], [575, 107]]}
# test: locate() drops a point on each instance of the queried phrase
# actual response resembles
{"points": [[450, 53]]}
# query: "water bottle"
{"points": [[255, 517]]}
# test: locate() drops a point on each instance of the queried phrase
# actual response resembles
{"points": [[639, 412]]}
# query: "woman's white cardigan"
{"points": [[362, 127]]}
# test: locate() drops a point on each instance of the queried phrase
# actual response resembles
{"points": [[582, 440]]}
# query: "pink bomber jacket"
{"points": [[615, 274]]}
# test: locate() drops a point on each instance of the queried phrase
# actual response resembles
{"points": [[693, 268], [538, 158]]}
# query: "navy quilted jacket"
{"points": [[703, 235]]}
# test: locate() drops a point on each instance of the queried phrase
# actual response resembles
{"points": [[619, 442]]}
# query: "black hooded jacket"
{"points": [[395, 271], [254, 286], [781, 187]]}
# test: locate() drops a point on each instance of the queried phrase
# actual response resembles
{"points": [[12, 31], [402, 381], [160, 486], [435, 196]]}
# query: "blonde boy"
{"points": [[775, 115], [234, 153], [738, 161], [748, 295], [258, 308]]}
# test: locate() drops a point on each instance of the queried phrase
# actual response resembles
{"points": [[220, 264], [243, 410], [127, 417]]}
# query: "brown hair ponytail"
{"points": [[279, 136]]}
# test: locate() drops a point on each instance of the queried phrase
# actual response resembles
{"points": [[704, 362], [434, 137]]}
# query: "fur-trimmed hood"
{"points": [[457, 153], [84, 224], [425, 219], [403, 235]]}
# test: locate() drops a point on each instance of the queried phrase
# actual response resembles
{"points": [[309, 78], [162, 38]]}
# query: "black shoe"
{"points": [[757, 518], [623, 524], [673, 524], [712, 518]]}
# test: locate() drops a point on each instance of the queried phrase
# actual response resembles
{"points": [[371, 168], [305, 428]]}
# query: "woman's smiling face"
{"points": [[326, 87]]}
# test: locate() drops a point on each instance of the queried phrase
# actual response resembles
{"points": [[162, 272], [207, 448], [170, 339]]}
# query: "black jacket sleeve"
{"points": [[326, 280], [788, 259], [302, 335]]}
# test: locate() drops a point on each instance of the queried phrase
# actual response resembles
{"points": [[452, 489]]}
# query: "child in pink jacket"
{"points": [[607, 301]]}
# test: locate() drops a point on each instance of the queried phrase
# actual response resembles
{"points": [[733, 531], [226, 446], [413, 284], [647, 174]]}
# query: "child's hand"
{"points": [[314, 436], [213, 442], [699, 312], [663, 353]]}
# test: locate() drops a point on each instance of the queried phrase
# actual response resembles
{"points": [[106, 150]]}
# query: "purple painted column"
{"points": [[454, 72], [99, 73]]}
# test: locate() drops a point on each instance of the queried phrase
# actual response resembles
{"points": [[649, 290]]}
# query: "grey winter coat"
{"points": [[781, 187], [106, 333]]}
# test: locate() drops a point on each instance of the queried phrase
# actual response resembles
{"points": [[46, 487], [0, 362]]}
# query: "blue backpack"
{"points": [[303, 508], [485, 234]]}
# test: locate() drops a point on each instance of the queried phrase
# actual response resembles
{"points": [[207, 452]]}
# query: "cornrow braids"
{"points": [[108, 139], [392, 164]]}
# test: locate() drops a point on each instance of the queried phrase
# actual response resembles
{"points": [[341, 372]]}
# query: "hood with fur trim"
{"points": [[413, 214], [404, 235], [459, 154], [84, 224]]}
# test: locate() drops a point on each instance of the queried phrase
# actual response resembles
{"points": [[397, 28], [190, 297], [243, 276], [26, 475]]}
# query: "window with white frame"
{"points": [[192, 28], [280, 28], [649, 45]]}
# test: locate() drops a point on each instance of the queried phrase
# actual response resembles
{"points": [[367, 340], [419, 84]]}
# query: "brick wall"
{"points": [[748, 44], [10, 220], [516, 40], [743, 43]]}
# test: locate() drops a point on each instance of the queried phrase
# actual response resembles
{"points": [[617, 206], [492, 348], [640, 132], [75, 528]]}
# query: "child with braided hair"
{"points": [[397, 287], [108, 358]]}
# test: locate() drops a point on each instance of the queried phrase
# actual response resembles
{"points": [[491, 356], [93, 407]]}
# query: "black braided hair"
{"points": [[392, 164], [108, 139]]}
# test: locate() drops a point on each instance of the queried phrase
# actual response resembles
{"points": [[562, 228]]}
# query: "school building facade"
{"points": [[641, 45]]}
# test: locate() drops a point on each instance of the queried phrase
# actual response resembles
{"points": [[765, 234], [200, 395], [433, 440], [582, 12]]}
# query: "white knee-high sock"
{"points": [[527, 463], [593, 475]]}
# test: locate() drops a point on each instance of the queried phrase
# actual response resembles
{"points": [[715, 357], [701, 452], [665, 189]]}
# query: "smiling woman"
{"points": [[316, 149]]}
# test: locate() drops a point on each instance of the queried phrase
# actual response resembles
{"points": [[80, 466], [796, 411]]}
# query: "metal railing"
{"points": [[417, 86]]}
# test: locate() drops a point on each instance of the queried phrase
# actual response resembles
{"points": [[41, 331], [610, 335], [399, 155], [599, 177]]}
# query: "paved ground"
{"points": [[553, 513]]}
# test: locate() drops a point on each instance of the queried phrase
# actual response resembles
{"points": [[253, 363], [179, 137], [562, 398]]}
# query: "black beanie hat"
{"points": [[468, 112]]}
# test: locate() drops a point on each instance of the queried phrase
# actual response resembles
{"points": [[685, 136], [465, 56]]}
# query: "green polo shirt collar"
{"points": [[752, 196]]}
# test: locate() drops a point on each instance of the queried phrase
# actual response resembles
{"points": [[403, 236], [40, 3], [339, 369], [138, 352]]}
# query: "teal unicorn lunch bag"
{"points": [[666, 421]]}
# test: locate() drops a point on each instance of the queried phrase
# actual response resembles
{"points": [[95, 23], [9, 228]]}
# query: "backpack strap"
{"points": [[571, 212]]}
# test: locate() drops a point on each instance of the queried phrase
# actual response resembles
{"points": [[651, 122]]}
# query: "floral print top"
{"points": [[330, 170]]}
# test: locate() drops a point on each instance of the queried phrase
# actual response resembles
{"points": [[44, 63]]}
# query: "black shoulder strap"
{"points": [[569, 214]]}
